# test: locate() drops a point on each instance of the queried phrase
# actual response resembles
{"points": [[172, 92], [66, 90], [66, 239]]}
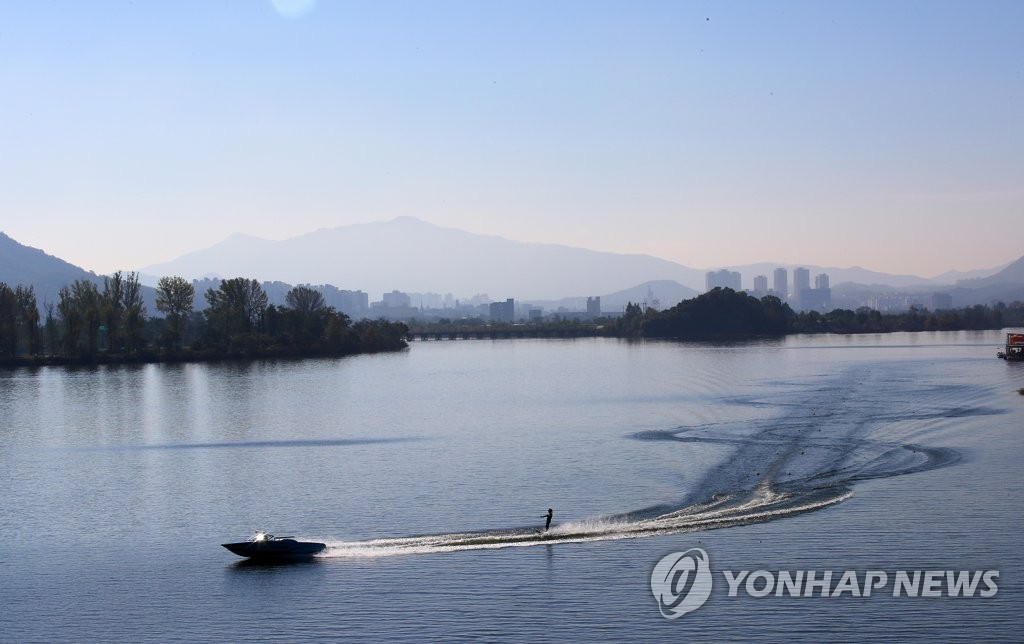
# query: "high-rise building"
{"points": [[503, 311], [761, 285], [594, 306], [801, 283], [396, 299], [801, 280], [723, 279], [354, 304], [806, 298], [780, 283]]}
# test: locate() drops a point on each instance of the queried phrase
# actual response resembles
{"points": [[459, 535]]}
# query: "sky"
{"points": [[887, 135]]}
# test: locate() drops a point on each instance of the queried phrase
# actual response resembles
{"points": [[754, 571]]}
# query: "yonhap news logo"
{"points": [[682, 582]]}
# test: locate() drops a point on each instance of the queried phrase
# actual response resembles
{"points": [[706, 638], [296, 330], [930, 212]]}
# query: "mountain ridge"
{"points": [[22, 265], [583, 272], [409, 254]]}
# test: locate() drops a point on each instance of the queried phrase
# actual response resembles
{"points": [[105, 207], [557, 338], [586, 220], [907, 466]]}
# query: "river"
{"points": [[428, 473]]}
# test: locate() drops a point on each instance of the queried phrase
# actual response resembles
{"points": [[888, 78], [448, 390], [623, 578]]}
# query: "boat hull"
{"points": [[276, 550]]}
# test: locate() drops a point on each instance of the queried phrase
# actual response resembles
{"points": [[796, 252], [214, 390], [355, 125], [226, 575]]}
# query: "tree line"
{"points": [[110, 324], [90, 324], [724, 314]]}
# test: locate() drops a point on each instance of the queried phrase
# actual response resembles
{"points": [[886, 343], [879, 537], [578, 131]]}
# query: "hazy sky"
{"points": [[883, 134]]}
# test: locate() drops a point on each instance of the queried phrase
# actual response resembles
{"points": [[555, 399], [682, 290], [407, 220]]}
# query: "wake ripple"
{"points": [[806, 460], [763, 504]]}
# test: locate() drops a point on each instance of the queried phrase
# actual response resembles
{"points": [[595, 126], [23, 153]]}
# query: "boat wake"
{"points": [[807, 460], [762, 504]]}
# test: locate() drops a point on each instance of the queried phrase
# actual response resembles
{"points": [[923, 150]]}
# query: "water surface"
{"points": [[428, 472]]}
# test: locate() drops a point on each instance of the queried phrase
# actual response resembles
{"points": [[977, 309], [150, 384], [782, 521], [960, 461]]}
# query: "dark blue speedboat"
{"points": [[267, 547]]}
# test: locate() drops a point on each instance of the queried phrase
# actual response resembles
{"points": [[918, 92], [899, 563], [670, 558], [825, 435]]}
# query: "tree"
{"points": [[79, 309], [28, 319], [175, 298], [112, 309], [337, 334], [308, 312], [134, 310], [8, 321], [52, 328], [305, 300], [123, 311], [721, 314], [631, 322], [235, 311]]}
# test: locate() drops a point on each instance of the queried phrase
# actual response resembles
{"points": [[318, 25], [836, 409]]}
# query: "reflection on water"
{"points": [[337, 442]]}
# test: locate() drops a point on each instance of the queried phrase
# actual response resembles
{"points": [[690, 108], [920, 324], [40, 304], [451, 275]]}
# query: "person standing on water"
{"points": [[550, 514]]}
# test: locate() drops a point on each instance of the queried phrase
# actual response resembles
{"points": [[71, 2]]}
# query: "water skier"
{"points": [[548, 516]]}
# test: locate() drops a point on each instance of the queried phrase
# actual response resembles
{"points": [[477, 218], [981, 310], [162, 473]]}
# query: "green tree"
{"points": [[631, 322], [175, 298], [721, 314], [379, 335], [80, 313], [235, 312], [112, 310], [337, 333], [309, 313], [8, 321], [123, 312], [52, 329], [134, 311], [305, 300], [28, 319]]}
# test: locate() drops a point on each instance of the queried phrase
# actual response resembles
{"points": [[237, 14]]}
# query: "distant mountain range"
{"points": [[414, 256], [411, 255], [25, 266]]}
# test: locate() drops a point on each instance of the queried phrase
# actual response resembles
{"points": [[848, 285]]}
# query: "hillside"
{"points": [[23, 265], [1012, 274]]}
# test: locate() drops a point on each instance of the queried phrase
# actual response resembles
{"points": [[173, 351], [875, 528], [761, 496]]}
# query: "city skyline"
{"points": [[708, 134]]}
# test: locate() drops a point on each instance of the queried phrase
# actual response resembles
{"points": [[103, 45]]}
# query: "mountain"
{"points": [[1012, 274], [1007, 286], [952, 277], [22, 265], [411, 255], [662, 294]]}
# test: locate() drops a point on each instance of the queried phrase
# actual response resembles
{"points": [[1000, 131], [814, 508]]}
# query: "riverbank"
{"points": [[185, 356]]}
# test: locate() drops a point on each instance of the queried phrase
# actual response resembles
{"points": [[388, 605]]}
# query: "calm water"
{"points": [[428, 472]]}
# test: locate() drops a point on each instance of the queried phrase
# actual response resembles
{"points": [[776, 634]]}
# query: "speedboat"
{"points": [[267, 547]]}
